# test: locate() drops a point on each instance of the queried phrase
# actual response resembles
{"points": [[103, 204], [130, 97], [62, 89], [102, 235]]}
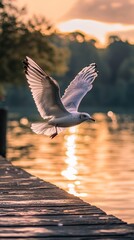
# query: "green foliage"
{"points": [[115, 54], [125, 82], [34, 38], [126, 70]]}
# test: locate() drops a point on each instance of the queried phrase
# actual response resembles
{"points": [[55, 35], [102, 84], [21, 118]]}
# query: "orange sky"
{"points": [[98, 18]]}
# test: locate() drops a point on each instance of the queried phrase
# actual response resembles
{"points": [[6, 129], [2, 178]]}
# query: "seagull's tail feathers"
{"points": [[46, 129]]}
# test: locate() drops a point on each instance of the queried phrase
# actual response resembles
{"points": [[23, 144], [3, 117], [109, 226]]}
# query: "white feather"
{"points": [[79, 87], [45, 128], [45, 90]]}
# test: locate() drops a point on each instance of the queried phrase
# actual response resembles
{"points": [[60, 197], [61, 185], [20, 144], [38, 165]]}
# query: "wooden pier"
{"points": [[31, 208]]}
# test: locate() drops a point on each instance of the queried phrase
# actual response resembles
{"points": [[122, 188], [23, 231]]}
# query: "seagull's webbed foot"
{"points": [[54, 134]]}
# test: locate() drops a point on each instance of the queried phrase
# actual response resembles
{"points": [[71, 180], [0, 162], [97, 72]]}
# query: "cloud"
{"points": [[110, 11]]}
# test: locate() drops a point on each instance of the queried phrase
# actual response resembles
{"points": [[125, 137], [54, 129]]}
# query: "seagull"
{"points": [[58, 113]]}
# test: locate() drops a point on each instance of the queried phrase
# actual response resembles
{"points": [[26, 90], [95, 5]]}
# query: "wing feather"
{"points": [[45, 90], [79, 87]]}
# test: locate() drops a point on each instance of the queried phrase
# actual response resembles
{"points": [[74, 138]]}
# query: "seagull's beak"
{"points": [[92, 119]]}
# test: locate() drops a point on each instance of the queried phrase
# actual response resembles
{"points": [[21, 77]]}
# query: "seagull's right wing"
{"points": [[45, 90], [78, 88]]}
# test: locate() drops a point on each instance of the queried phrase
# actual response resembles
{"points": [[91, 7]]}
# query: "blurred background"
{"points": [[93, 161]]}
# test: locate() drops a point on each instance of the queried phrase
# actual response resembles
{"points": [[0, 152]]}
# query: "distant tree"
{"points": [[126, 70], [116, 52], [76, 36], [93, 41], [34, 38], [125, 81], [113, 38]]}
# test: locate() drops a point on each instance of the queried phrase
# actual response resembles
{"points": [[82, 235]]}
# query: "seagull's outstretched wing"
{"points": [[45, 90], [78, 88]]}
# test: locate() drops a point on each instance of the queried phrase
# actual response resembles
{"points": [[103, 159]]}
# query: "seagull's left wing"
{"points": [[45, 90], [78, 88]]}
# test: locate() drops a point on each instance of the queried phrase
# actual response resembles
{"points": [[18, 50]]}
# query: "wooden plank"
{"points": [[59, 210], [72, 238], [40, 202], [27, 195], [65, 220], [68, 231]]}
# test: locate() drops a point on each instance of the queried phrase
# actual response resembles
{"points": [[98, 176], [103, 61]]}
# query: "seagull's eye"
{"points": [[83, 116]]}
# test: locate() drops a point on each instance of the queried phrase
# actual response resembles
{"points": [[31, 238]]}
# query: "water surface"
{"points": [[94, 161]]}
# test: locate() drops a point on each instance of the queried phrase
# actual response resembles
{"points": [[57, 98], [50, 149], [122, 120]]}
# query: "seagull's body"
{"points": [[58, 113], [71, 119]]}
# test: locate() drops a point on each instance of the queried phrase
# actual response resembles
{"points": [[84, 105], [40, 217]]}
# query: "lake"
{"points": [[94, 161]]}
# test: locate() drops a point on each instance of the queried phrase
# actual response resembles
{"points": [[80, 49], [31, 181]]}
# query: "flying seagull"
{"points": [[58, 113]]}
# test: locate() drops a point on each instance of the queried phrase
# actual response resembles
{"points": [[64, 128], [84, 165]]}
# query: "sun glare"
{"points": [[71, 160], [95, 29]]}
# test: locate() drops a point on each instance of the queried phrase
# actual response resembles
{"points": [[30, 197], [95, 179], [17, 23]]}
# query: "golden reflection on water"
{"points": [[71, 172], [93, 161]]}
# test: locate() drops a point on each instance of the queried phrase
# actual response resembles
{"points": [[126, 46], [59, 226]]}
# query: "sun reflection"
{"points": [[72, 190], [24, 121], [71, 172], [113, 118]]}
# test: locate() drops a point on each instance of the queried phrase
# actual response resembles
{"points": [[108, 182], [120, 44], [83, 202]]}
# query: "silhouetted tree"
{"points": [[34, 38], [116, 53]]}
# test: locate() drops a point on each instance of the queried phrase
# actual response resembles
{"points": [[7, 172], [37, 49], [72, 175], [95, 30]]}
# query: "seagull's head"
{"points": [[86, 117]]}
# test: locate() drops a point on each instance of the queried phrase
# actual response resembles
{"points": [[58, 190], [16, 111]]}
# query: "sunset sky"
{"points": [[98, 18]]}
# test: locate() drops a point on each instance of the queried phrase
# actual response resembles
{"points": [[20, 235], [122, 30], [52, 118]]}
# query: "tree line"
{"points": [[63, 56]]}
